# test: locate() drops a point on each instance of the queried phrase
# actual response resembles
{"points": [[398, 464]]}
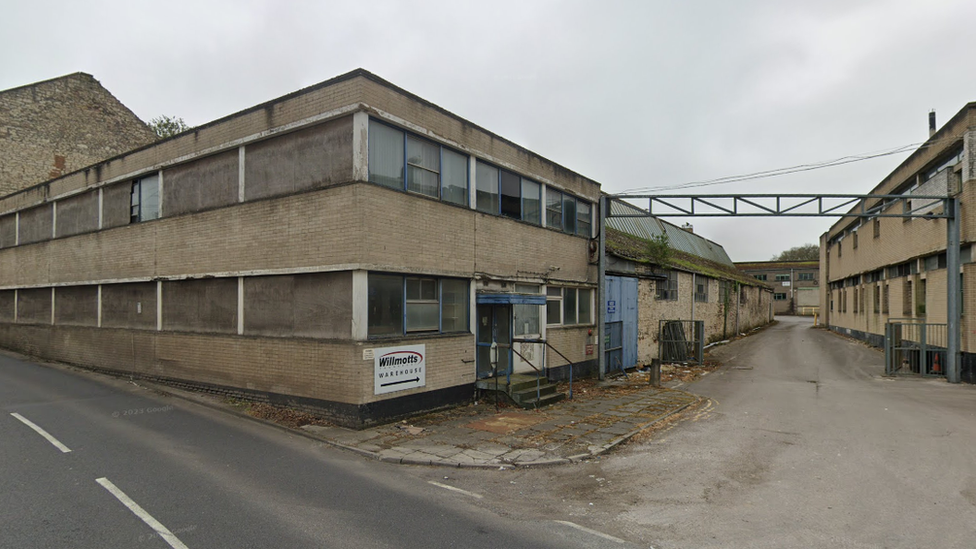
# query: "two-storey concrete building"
{"points": [[796, 284], [349, 248], [882, 269]]}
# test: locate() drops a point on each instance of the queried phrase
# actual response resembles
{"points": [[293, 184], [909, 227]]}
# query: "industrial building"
{"points": [[695, 281], [349, 249], [796, 284], [880, 270]]}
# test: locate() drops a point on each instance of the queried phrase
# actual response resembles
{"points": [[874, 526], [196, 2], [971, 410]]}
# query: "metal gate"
{"points": [[681, 341], [614, 345], [917, 348]]}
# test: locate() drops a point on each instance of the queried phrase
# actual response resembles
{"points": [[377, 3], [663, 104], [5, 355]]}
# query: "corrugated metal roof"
{"points": [[679, 239]]}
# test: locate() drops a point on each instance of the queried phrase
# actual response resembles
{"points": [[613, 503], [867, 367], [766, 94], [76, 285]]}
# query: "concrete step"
{"points": [[544, 401]]}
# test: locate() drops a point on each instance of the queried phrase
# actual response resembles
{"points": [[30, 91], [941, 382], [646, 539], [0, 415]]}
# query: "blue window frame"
{"points": [[404, 161], [400, 305]]}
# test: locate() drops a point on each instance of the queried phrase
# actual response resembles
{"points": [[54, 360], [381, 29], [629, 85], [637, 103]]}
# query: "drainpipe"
{"points": [[792, 292], [601, 327], [693, 289]]}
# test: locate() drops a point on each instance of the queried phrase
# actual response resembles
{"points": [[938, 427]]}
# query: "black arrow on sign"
{"points": [[414, 380]]}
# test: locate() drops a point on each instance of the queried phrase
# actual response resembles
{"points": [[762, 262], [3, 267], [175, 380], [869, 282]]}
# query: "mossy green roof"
{"points": [[636, 249]]}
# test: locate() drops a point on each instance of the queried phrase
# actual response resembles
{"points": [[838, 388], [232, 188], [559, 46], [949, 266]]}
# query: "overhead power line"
{"points": [[786, 171]]}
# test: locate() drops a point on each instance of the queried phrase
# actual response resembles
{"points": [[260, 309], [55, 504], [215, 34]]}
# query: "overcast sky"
{"points": [[631, 94]]}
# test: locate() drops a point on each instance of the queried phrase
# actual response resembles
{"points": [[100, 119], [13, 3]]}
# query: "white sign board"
{"points": [[787, 283], [399, 368]]}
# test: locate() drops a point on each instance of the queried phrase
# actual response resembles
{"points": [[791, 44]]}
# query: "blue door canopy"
{"points": [[511, 299]]}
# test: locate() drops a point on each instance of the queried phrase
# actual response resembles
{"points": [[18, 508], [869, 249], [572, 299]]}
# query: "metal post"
{"points": [[601, 327], [953, 357]]}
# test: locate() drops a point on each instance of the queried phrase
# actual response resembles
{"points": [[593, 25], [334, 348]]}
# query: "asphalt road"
{"points": [[120, 466], [802, 444]]}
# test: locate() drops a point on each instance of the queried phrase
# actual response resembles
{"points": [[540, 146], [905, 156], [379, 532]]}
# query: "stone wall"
{"points": [[58, 126]]}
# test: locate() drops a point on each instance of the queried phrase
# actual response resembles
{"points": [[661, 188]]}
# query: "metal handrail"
{"points": [[538, 389], [555, 350]]}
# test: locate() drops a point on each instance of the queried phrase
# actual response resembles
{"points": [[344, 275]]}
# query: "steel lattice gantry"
{"points": [[798, 205]]}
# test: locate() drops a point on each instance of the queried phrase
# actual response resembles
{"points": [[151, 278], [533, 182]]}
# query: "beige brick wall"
{"points": [[326, 370]]}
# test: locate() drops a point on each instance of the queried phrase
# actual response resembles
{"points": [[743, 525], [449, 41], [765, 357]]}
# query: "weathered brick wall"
{"points": [[55, 127], [720, 321]]}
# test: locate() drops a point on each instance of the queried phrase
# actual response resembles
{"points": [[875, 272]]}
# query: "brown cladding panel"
{"points": [[203, 305], [34, 306], [35, 224], [7, 305], [78, 214], [8, 231], [306, 305], [201, 185], [76, 305], [307, 159], [130, 305], [115, 205]]}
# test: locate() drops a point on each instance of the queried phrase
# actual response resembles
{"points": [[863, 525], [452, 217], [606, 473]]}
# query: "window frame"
{"points": [[405, 302], [557, 295], [137, 201], [669, 290], [405, 138]]}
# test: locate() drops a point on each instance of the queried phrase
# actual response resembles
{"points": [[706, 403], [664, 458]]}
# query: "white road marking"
{"points": [[590, 531], [453, 489], [163, 532], [57, 444]]}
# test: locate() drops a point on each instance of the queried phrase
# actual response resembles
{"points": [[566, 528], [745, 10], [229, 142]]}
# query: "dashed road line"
{"points": [[163, 532], [453, 489], [57, 444], [590, 531]]}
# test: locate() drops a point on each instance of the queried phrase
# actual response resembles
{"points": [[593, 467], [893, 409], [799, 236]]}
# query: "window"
{"points": [[454, 177], [884, 300], [422, 305], [423, 166], [906, 299], [385, 305], [554, 305], [877, 299], [569, 306], [569, 214], [554, 208], [584, 220], [403, 161], [920, 299], [701, 290], [856, 302], [531, 202], [667, 290], [760, 277], [385, 155], [398, 305], [779, 297], [854, 246], [782, 277], [585, 306], [804, 276], [876, 224], [144, 200], [511, 186], [840, 249], [486, 188]]}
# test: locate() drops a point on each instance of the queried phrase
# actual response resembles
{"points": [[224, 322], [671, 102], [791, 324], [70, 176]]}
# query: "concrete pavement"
{"points": [[480, 436]]}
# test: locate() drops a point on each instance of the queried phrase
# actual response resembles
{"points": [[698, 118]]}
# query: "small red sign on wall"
{"points": [[589, 349]]}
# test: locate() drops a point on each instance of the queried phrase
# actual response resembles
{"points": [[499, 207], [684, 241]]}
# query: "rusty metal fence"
{"points": [[915, 348], [681, 341]]}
